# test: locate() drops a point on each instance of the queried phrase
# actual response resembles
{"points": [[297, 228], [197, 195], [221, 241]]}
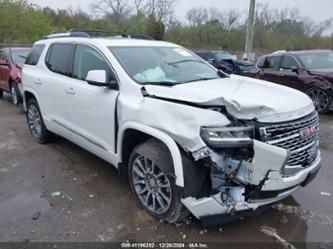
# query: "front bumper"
{"points": [[266, 167]]}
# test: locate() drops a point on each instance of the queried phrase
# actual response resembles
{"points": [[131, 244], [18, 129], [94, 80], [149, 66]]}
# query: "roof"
{"points": [[110, 41], [300, 52]]}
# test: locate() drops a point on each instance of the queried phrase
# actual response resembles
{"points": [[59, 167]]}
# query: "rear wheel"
{"points": [[151, 176], [14, 94], [36, 123], [321, 99]]}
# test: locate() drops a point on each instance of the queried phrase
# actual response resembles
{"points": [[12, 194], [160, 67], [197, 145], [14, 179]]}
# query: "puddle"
{"points": [[23, 205]]}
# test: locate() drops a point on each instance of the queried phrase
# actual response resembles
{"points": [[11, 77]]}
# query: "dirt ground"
{"points": [[61, 193]]}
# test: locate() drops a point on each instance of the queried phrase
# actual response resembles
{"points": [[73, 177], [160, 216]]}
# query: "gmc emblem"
{"points": [[309, 132]]}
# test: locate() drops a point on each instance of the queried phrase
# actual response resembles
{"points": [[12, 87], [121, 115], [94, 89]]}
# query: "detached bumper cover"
{"points": [[213, 210]]}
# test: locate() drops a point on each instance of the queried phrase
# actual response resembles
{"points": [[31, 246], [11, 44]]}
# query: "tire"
{"points": [[147, 183], [1, 93], [14, 95], [35, 122], [321, 99]]}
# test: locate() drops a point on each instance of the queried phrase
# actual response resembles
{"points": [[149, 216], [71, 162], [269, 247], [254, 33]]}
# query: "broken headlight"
{"points": [[228, 137]]}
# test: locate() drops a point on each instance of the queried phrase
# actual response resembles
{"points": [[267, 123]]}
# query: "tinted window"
{"points": [[288, 62], [207, 56], [272, 62], [86, 58], [60, 58], [34, 54]]}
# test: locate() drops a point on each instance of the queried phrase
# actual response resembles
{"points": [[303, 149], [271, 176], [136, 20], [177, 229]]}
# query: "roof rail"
{"points": [[88, 33], [76, 33], [139, 37]]}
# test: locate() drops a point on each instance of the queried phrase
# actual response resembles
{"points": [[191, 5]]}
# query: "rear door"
{"points": [[270, 69], [53, 84]]}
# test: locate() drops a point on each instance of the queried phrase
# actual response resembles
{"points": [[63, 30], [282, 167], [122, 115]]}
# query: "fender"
{"points": [[164, 138]]}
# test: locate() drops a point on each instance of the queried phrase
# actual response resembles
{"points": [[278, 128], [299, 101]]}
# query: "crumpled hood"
{"points": [[243, 97]]}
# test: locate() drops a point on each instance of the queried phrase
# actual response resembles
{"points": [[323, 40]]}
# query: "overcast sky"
{"points": [[317, 10]]}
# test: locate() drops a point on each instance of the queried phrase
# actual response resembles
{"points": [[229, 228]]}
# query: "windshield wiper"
{"points": [[183, 61], [159, 83], [200, 79]]}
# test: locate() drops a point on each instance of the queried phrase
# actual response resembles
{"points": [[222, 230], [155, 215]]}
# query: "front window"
{"points": [[317, 60], [163, 65], [19, 56]]}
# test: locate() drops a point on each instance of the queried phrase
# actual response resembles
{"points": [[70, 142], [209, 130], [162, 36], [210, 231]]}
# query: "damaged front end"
{"points": [[251, 169]]}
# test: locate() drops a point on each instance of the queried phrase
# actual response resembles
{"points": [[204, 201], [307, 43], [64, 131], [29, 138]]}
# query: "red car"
{"points": [[11, 63]]}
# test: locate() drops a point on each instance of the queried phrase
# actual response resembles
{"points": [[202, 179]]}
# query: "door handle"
{"points": [[70, 90], [38, 81]]}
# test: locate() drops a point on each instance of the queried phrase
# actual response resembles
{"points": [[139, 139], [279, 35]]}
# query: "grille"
{"points": [[299, 137]]}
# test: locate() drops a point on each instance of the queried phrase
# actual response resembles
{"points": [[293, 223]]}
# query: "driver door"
{"points": [[91, 109]]}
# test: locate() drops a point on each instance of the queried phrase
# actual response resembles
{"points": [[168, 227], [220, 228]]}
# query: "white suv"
{"points": [[189, 138]]}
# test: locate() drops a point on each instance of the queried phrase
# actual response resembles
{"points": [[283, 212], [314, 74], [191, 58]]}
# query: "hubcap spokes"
{"points": [[34, 121], [151, 185], [319, 98]]}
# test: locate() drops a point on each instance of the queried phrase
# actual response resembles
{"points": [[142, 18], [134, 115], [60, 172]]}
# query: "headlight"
{"points": [[228, 137]]}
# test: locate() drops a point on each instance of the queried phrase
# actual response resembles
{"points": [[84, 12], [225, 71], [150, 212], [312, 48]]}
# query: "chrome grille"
{"points": [[292, 136]]}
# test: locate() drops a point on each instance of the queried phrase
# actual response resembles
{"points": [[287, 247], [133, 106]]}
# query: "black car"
{"points": [[226, 62]]}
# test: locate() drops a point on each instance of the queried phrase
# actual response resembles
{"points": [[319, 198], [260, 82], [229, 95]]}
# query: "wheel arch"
{"points": [[133, 133], [28, 94]]}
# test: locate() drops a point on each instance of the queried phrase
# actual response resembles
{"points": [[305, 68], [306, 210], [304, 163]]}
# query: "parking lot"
{"points": [[62, 193]]}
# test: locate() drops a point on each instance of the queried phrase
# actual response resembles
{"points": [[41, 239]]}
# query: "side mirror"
{"points": [[294, 69], [100, 78], [4, 63]]}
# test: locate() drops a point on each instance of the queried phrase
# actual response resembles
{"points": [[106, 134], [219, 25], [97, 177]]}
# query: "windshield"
{"points": [[223, 56], [317, 60], [163, 65], [19, 56]]}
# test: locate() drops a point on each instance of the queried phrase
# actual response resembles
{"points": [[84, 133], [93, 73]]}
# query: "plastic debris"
{"points": [[271, 232], [91, 196], [54, 194], [36, 215], [325, 193]]}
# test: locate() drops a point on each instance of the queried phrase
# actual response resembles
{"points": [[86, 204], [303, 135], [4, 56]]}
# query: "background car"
{"points": [[11, 63], [309, 71], [226, 62]]}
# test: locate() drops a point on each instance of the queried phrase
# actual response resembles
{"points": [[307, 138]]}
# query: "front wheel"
{"points": [[152, 179], [321, 99]]}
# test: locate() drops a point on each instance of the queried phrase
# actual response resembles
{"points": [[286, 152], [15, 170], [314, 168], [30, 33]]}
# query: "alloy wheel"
{"points": [[34, 121], [319, 98], [151, 185]]}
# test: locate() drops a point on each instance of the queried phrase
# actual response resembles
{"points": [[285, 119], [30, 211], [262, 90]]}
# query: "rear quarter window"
{"points": [[34, 54]]}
